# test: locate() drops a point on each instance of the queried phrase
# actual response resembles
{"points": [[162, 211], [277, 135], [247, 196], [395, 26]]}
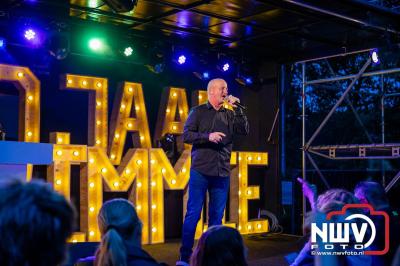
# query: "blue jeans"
{"points": [[218, 188]]}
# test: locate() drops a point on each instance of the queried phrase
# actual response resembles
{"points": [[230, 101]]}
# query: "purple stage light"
{"points": [[30, 35], [225, 67], [181, 59]]}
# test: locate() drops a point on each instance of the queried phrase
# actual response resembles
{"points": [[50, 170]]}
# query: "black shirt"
{"points": [[210, 158]]}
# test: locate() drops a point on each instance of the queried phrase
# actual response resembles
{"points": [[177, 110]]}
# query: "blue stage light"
{"points": [[2, 43], [374, 56], [181, 59], [30, 34], [206, 75], [249, 81], [225, 67]]}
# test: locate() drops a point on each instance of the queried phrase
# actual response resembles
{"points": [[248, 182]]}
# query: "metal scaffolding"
{"points": [[350, 151]]}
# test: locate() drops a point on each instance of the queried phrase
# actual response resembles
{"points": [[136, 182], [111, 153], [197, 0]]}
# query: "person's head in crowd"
{"points": [[372, 193], [119, 225], [334, 199], [35, 222], [220, 245]]}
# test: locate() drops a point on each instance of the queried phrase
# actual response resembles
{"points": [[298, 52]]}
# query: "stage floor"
{"points": [[262, 250]]}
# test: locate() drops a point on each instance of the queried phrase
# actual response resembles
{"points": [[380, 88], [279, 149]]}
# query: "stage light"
{"points": [[128, 51], [225, 67], [95, 44], [30, 34], [2, 43], [374, 56], [206, 75], [181, 59], [249, 81]]}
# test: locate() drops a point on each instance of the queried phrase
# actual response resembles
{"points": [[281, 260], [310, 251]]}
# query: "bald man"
{"points": [[210, 128]]}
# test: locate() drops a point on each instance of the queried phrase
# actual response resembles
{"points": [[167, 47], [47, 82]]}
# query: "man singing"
{"points": [[210, 128]]}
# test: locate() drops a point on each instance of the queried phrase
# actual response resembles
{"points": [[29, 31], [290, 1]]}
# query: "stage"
{"points": [[262, 249]]}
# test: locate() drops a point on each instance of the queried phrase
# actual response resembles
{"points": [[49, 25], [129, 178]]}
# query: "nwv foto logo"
{"points": [[350, 234]]}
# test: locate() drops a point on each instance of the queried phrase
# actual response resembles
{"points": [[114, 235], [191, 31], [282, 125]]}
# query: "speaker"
{"points": [[121, 6]]}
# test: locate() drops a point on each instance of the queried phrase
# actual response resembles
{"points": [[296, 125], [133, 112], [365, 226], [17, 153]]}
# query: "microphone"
{"points": [[238, 104]]}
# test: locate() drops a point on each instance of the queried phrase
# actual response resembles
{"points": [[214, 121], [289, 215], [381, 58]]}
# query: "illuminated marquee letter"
{"points": [[98, 105], [175, 179], [134, 165], [29, 103], [173, 100], [246, 193], [128, 95], [59, 172]]}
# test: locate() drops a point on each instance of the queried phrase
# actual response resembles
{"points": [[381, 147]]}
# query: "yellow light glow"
{"points": [[104, 170], [84, 83], [59, 153], [248, 192], [30, 98], [116, 184], [249, 158], [226, 106], [137, 108], [123, 106], [239, 228], [258, 226], [173, 181], [163, 170], [98, 84], [138, 207], [91, 160], [153, 183], [113, 156], [183, 170], [74, 241], [240, 211], [91, 233], [168, 111], [130, 89], [20, 74], [180, 112], [174, 94], [116, 136], [200, 97], [127, 171], [152, 161], [130, 125], [139, 184], [259, 158], [249, 227], [69, 81], [153, 206], [76, 153], [91, 209], [240, 158], [98, 103], [58, 182], [91, 184], [98, 122], [139, 162], [173, 127], [154, 229], [29, 134], [141, 138], [98, 142], [59, 140]]}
